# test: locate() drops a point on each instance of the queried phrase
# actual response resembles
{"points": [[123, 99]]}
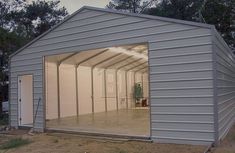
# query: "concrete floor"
{"points": [[132, 122]]}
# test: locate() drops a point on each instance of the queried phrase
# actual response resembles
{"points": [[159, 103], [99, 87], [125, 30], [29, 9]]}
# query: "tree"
{"points": [[38, 17], [9, 42], [20, 22], [6, 8], [178, 9], [134, 6], [221, 13]]}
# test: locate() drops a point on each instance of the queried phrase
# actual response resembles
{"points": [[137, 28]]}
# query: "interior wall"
{"points": [[84, 90], [99, 97], [121, 90], [111, 90], [51, 90], [68, 89], [138, 79], [130, 89], [146, 85]]}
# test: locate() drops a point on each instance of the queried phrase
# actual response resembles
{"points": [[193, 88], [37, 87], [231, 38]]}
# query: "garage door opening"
{"points": [[103, 91]]}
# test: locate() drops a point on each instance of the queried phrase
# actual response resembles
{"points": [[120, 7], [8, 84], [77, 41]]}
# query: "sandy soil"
{"points": [[61, 143], [228, 144]]}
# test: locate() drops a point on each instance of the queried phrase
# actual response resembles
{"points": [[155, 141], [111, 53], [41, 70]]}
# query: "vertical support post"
{"points": [[58, 88], [134, 77], [126, 90], [105, 91], [92, 90], [134, 88], [76, 86], [142, 84], [116, 81]]}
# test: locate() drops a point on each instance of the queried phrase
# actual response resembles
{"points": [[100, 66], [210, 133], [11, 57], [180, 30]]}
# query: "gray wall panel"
{"points": [[225, 67]]}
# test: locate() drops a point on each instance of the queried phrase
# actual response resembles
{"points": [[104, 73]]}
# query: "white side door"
{"points": [[25, 100]]}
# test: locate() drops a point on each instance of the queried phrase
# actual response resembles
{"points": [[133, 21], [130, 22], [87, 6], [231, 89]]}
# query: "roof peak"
{"points": [[198, 24], [151, 17]]}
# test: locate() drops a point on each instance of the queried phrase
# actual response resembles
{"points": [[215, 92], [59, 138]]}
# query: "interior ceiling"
{"points": [[129, 57]]}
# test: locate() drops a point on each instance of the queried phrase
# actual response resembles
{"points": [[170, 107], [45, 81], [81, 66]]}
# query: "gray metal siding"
{"points": [[225, 69], [180, 57]]}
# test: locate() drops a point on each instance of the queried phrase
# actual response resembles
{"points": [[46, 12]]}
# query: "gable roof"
{"points": [[115, 12]]}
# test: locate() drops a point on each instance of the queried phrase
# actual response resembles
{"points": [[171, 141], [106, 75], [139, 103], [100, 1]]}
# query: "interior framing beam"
{"points": [[76, 75], [92, 77], [64, 59], [105, 92], [76, 87], [126, 90], [58, 80], [107, 67], [58, 88], [116, 90], [137, 66], [126, 77], [92, 81], [116, 77], [92, 85], [141, 51], [76, 66], [139, 59], [93, 56], [138, 71], [133, 76]]}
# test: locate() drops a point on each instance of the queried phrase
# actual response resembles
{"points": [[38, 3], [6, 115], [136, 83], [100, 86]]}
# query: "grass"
{"points": [[55, 140], [3, 119], [15, 143]]}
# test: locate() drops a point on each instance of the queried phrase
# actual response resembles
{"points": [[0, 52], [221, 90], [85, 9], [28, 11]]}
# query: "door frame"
{"points": [[18, 100]]}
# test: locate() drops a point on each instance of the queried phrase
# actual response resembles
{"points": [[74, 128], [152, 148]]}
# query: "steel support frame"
{"points": [[134, 78], [92, 90], [58, 88], [139, 59], [116, 77], [58, 80], [142, 75], [76, 77], [92, 81], [92, 78]]}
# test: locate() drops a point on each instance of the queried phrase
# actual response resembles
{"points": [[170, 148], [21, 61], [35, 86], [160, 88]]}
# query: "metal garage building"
{"points": [[82, 76]]}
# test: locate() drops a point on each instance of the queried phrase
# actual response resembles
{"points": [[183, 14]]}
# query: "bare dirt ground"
{"points": [[61, 143], [228, 144]]}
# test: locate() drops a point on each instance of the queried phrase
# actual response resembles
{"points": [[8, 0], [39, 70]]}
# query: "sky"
{"points": [[73, 5]]}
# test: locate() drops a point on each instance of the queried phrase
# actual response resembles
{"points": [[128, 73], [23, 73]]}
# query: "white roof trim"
{"points": [[116, 12]]}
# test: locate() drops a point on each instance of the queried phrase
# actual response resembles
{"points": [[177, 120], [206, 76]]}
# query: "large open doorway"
{"points": [[102, 91], [25, 100]]}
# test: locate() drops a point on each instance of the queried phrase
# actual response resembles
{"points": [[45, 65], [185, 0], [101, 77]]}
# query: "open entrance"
{"points": [[25, 100], [103, 91]]}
